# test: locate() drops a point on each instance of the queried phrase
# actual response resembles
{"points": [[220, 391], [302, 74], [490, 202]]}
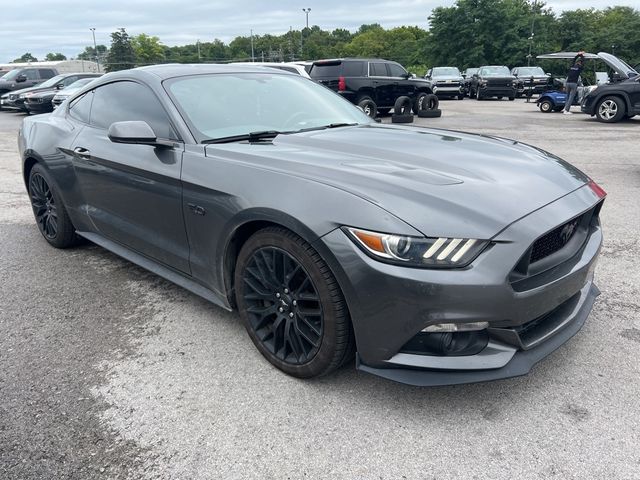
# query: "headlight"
{"points": [[422, 252], [21, 96]]}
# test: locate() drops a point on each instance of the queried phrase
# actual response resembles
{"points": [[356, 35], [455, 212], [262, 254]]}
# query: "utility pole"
{"points": [[253, 58], [198, 45], [95, 48], [533, 20], [306, 11], [291, 43]]}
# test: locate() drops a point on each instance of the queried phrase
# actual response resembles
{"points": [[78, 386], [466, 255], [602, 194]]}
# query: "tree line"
{"points": [[469, 33]]}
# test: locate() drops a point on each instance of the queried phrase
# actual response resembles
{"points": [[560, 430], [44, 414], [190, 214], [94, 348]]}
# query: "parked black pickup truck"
{"points": [[493, 81], [530, 79], [373, 84]]}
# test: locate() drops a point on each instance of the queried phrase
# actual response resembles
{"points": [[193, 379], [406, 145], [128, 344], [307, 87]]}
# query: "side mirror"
{"points": [[60, 86], [135, 132], [21, 78], [475, 75], [515, 74]]}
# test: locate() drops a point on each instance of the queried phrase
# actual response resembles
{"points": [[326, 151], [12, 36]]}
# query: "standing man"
{"points": [[572, 80]]}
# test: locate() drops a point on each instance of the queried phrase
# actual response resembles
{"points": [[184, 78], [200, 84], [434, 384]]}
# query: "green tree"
{"points": [[90, 53], [121, 55], [27, 57], [54, 56], [148, 50]]}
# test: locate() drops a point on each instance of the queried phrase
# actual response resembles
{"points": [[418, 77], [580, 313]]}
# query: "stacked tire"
{"points": [[425, 105]]}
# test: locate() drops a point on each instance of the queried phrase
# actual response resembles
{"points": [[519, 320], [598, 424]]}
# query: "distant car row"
{"points": [[44, 97]]}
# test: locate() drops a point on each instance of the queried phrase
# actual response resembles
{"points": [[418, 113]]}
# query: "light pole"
{"points": [[95, 48], [253, 58], [306, 11]]}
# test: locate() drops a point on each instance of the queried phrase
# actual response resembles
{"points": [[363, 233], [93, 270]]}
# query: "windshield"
{"points": [[471, 71], [531, 71], [53, 81], [446, 71], [79, 83], [495, 72], [224, 105], [12, 74]]}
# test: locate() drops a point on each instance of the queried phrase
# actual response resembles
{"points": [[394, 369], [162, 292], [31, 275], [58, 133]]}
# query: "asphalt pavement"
{"points": [[107, 371]]}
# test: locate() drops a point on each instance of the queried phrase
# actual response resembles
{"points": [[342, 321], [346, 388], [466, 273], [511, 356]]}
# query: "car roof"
{"points": [[171, 70], [329, 60]]}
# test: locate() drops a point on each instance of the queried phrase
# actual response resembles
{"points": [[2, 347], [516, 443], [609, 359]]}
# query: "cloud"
{"points": [[63, 26]]}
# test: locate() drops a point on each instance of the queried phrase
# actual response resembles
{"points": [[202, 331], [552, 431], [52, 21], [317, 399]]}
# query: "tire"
{"points": [[546, 106], [610, 110], [49, 211], [402, 118], [430, 113], [402, 106], [511, 99], [418, 102], [500, 97], [461, 96], [432, 102], [303, 345], [368, 106]]}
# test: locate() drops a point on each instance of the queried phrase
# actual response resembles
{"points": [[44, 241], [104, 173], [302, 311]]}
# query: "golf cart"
{"points": [[616, 70]]}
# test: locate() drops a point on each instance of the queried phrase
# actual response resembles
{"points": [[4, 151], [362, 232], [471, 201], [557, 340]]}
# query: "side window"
{"points": [[69, 80], [378, 70], [46, 73], [396, 70], [353, 69], [80, 108], [31, 74], [127, 101]]}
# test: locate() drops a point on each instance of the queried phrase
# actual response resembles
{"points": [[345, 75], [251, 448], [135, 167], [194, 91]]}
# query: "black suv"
{"points": [[530, 79], [25, 77], [493, 81], [614, 101], [372, 84]]}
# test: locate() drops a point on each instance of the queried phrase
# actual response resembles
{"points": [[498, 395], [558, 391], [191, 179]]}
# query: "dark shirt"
{"points": [[576, 69]]}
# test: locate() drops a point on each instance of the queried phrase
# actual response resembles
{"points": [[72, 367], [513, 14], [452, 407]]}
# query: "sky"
{"points": [[42, 26]]}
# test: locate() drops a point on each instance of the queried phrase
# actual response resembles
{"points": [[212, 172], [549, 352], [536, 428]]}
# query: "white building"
{"points": [[62, 66]]}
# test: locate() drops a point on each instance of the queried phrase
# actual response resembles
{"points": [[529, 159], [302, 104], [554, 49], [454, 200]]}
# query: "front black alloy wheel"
{"points": [[49, 211], [291, 304]]}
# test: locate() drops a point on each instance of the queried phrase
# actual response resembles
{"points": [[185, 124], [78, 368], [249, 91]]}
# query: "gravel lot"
{"points": [[110, 372]]}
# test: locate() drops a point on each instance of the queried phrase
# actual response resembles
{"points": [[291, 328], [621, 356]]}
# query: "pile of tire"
{"points": [[424, 105]]}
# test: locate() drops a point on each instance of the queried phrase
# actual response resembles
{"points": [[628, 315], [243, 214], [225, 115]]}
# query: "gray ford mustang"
{"points": [[438, 257]]}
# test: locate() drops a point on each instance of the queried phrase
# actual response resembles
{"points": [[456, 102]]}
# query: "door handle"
{"points": [[82, 153]]}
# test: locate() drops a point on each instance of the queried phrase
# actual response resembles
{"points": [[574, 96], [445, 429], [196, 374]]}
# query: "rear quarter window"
{"points": [[353, 69], [323, 70]]}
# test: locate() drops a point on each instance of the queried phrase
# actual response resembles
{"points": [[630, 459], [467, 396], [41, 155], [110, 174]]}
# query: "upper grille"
{"points": [[554, 240]]}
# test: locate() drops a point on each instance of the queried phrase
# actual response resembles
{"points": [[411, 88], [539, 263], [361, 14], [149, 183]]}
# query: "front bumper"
{"points": [[491, 91], [448, 90], [42, 107], [390, 305]]}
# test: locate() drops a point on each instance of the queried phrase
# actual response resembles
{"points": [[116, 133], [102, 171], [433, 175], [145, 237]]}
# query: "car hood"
{"points": [[617, 65], [30, 89], [440, 182]]}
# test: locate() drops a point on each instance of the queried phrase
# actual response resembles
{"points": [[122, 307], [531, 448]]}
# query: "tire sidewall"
{"points": [[324, 358], [59, 241], [619, 114]]}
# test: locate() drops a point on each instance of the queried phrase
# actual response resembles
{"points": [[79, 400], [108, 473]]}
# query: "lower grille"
{"points": [[554, 240]]}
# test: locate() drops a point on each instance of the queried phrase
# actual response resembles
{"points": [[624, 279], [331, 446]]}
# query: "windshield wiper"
{"points": [[251, 137]]}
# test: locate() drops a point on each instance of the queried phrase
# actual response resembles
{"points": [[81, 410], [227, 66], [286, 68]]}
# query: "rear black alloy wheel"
{"points": [[291, 304], [50, 213], [44, 206]]}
